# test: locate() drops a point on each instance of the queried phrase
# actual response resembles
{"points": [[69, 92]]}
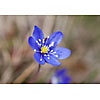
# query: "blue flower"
{"points": [[60, 77], [44, 48]]}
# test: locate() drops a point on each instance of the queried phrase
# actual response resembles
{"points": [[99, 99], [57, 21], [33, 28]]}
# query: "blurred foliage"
{"points": [[91, 76]]}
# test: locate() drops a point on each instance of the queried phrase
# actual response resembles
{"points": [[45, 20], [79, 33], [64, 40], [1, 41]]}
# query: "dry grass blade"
{"points": [[25, 74]]}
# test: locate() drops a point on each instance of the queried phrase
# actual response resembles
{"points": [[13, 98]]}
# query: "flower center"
{"points": [[44, 49]]}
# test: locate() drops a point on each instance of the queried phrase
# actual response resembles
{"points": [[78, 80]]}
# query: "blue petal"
{"points": [[62, 52], [33, 43], [37, 33], [60, 72], [56, 37], [52, 60], [61, 77], [65, 80], [37, 57]]}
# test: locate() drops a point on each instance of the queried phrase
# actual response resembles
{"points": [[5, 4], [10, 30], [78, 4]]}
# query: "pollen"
{"points": [[44, 49]]}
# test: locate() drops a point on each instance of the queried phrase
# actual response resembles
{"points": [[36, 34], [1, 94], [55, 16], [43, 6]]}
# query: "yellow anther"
{"points": [[44, 49]]}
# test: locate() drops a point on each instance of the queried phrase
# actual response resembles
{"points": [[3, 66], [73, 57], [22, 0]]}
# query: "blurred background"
{"points": [[81, 36]]}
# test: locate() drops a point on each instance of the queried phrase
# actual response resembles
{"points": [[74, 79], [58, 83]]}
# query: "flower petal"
{"points": [[65, 80], [60, 72], [62, 52], [52, 60], [38, 34], [55, 38], [33, 43], [38, 58], [61, 77]]}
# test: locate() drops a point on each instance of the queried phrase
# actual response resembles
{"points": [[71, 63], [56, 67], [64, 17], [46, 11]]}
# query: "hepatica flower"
{"points": [[60, 77], [45, 48]]}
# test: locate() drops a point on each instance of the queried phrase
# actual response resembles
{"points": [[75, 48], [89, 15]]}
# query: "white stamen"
{"points": [[54, 52], [48, 37], [37, 41], [51, 50], [43, 40], [41, 59], [45, 55], [56, 55], [40, 40], [48, 57], [39, 44], [51, 44], [35, 50]]}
